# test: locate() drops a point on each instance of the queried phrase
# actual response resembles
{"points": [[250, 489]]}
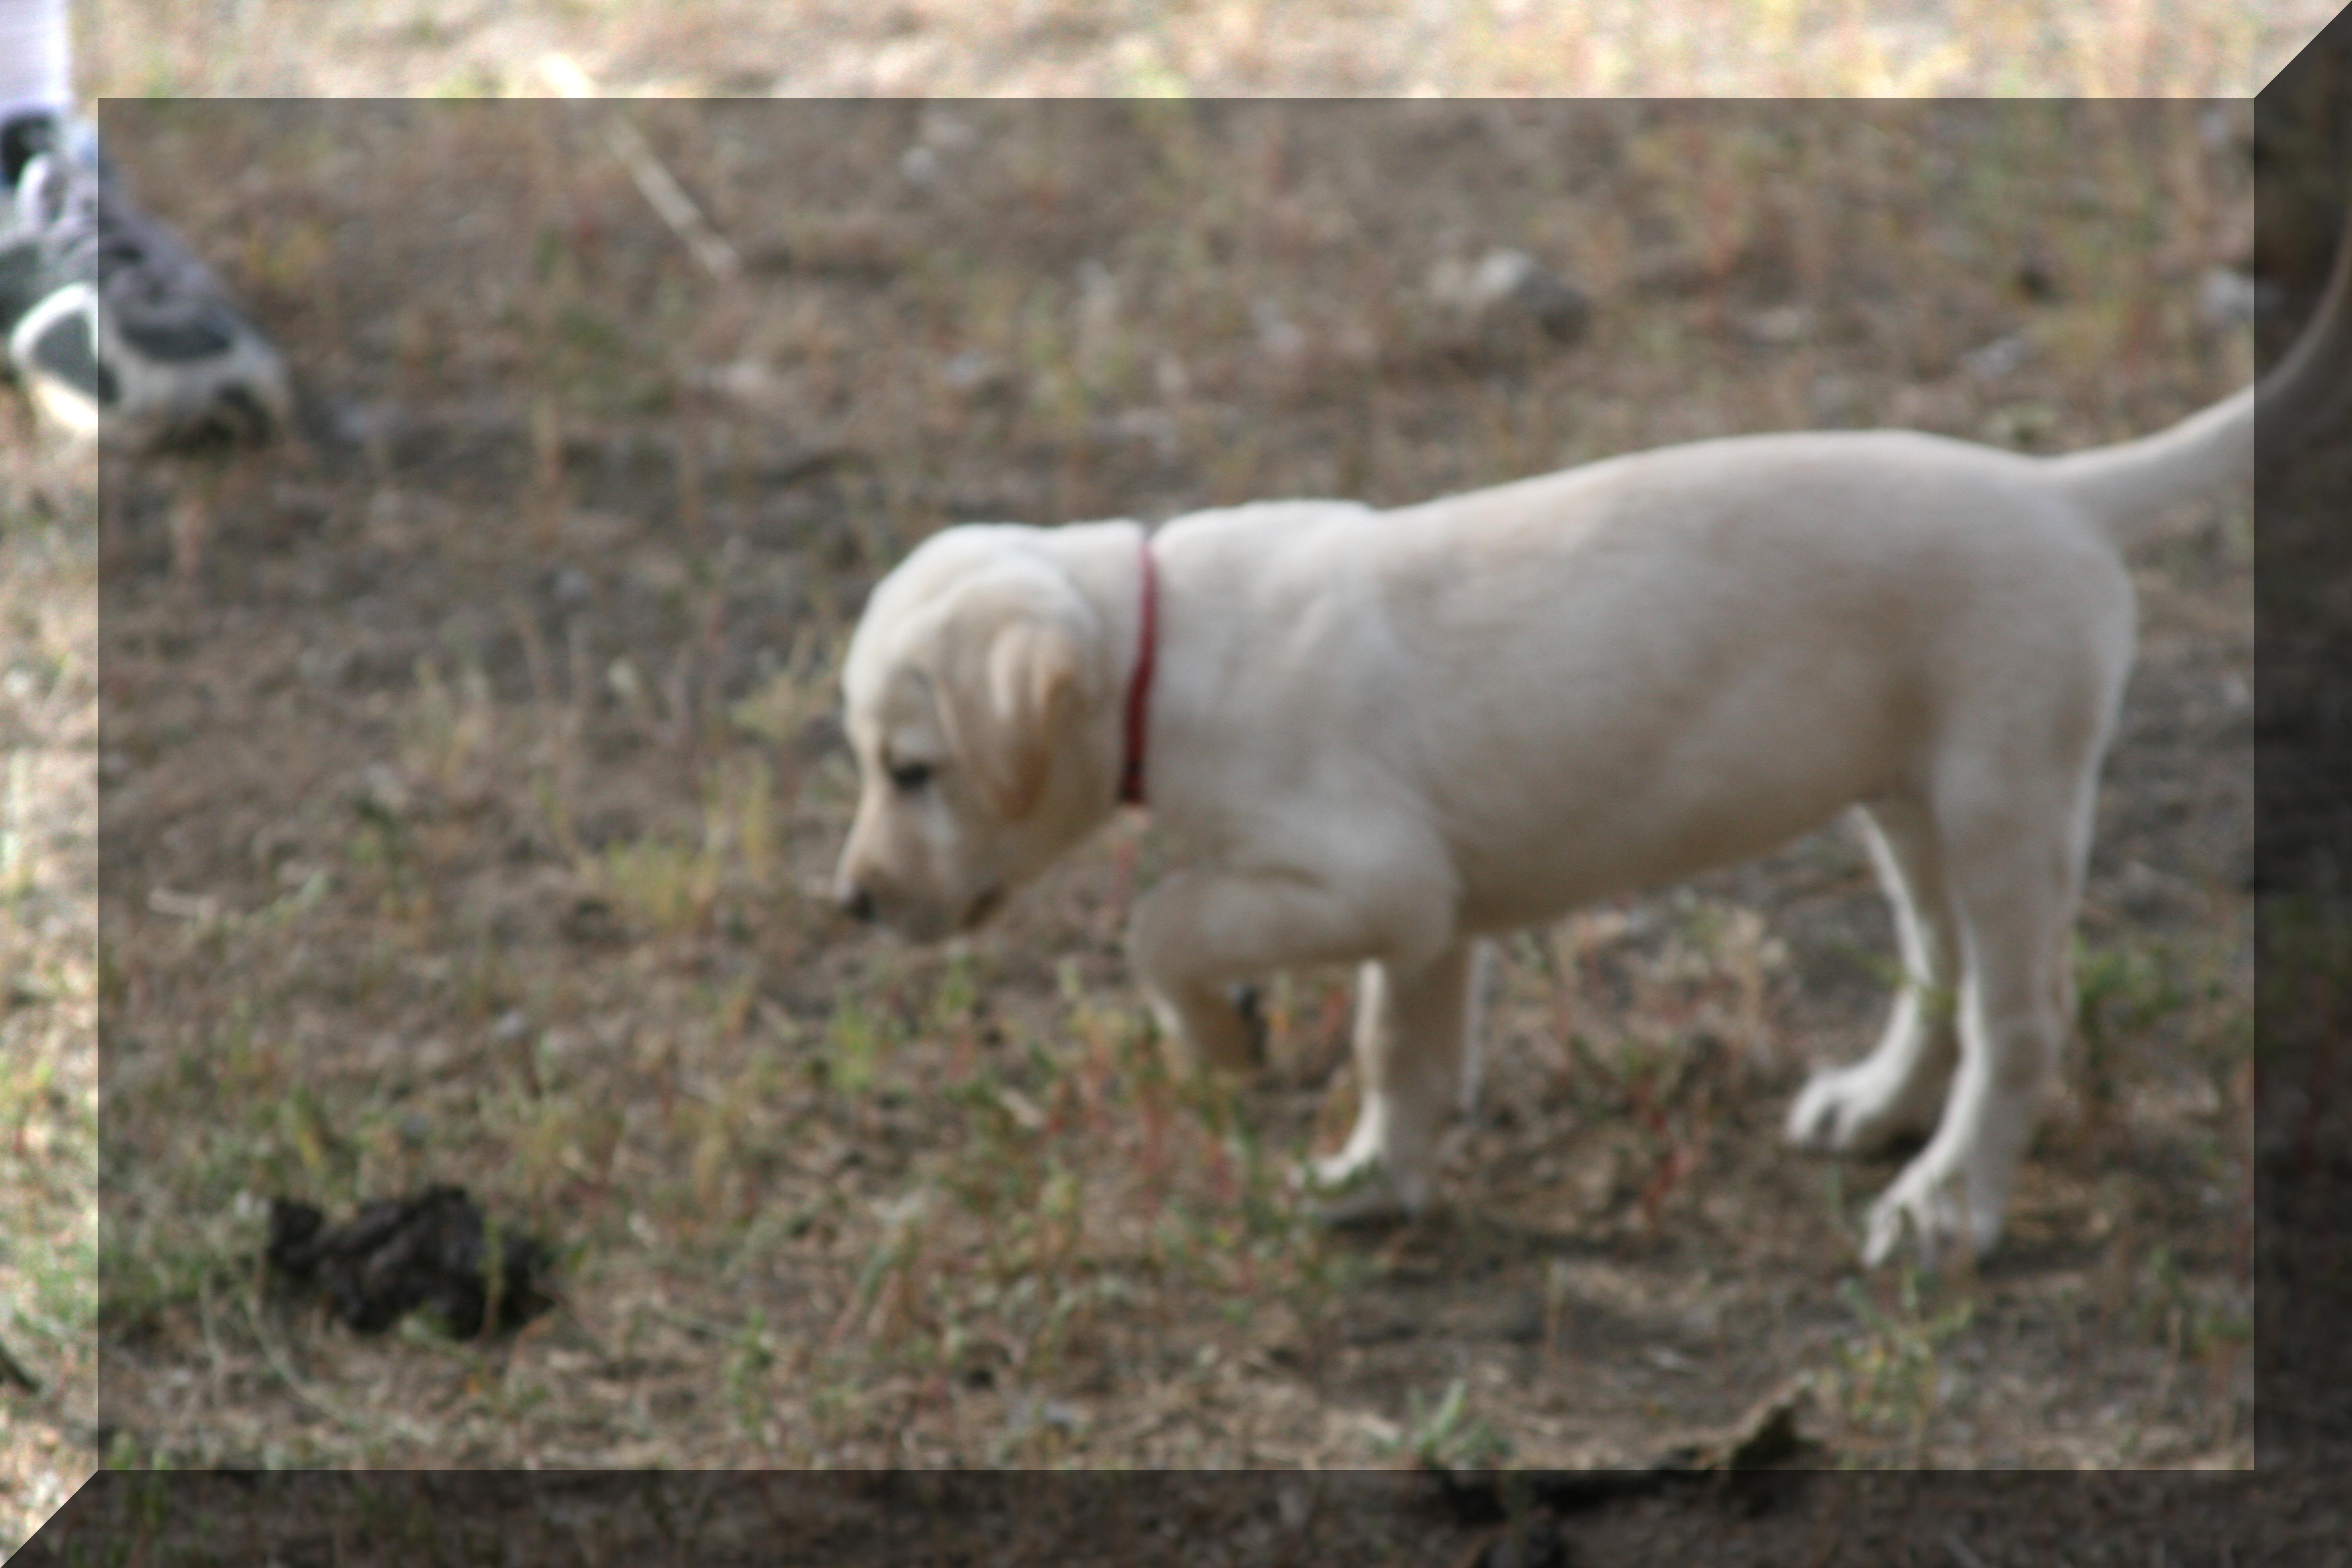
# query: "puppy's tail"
{"points": [[2129, 487]]}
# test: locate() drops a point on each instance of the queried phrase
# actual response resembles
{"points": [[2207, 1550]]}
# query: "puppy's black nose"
{"points": [[856, 902]]}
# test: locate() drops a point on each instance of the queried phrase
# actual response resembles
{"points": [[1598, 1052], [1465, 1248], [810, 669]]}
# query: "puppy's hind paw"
{"points": [[1851, 1111]]}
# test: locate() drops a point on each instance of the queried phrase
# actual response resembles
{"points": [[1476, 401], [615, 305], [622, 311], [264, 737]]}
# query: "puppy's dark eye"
{"points": [[911, 777]]}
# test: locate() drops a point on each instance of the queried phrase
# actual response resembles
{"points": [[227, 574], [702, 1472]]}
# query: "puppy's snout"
{"points": [[855, 901]]}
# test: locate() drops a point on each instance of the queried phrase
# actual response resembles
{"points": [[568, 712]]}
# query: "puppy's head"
{"points": [[973, 695]]}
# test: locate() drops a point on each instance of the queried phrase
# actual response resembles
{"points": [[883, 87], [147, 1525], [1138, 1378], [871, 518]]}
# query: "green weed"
{"points": [[1447, 1435], [1894, 1376]]}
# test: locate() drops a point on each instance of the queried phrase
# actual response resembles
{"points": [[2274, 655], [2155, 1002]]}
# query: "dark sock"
{"points": [[24, 139]]}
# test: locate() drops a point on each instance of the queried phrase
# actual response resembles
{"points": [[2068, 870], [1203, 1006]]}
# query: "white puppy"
{"points": [[1379, 735]]}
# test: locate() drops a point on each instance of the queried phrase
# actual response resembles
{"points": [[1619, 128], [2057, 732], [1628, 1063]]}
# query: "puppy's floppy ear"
{"points": [[1033, 669], [1004, 677]]}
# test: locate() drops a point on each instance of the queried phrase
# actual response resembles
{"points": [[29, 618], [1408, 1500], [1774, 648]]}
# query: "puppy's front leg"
{"points": [[1202, 929], [1412, 1070], [1208, 1024]]}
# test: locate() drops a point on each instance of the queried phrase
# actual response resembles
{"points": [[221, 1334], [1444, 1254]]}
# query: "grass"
{"points": [[1445, 1434], [48, 1092], [530, 891], [1895, 1376], [1487, 47]]}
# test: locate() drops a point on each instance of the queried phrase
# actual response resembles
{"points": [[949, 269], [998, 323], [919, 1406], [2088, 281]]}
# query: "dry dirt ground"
{"points": [[48, 950], [469, 777], [827, 48], [1262, 1519]]}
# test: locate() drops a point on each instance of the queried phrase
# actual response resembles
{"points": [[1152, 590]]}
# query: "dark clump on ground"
{"points": [[396, 1255]]}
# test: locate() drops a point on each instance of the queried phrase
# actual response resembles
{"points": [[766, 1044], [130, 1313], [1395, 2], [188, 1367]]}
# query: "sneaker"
{"points": [[112, 324]]}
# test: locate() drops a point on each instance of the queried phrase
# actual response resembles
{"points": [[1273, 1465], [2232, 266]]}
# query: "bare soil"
{"points": [[1383, 1520], [48, 950], [361, 49]]}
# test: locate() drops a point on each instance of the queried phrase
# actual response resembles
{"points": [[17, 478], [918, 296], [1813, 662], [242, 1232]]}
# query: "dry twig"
{"points": [[661, 188]]}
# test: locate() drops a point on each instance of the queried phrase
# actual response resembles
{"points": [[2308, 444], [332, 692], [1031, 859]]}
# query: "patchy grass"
{"points": [[472, 778], [2216, 48], [48, 978], [1892, 1377]]}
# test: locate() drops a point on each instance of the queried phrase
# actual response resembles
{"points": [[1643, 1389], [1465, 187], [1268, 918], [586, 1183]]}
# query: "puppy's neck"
{"points": [[1104, 562]]}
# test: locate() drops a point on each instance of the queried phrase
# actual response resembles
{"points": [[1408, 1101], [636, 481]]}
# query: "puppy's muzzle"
{"points": [[855, 901]]}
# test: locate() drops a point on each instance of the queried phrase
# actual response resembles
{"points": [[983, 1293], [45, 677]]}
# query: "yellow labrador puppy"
{"points": [[1377, 736]]}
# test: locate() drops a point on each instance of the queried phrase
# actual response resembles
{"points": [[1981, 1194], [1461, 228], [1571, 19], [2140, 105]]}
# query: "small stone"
{"points": [[975, 374], [381, 793], [1780, 326], [946, 131], [1507, 286], [570, 585], [1998, 358], [2228, 298], [1280, 337]]}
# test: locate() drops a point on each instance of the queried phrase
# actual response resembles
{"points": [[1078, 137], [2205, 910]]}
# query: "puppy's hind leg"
{"points": [[1473, 1027], [1414, 1069], [2016, 873], [1897, 1090]]}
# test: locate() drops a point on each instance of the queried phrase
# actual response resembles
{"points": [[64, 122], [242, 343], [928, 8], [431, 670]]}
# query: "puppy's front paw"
{"points": [[1857, 1110], [1929, 1202], [1347, 1189]]}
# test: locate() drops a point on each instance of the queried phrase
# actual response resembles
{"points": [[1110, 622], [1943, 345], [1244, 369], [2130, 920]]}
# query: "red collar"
{"points": [[1138, 689]]}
